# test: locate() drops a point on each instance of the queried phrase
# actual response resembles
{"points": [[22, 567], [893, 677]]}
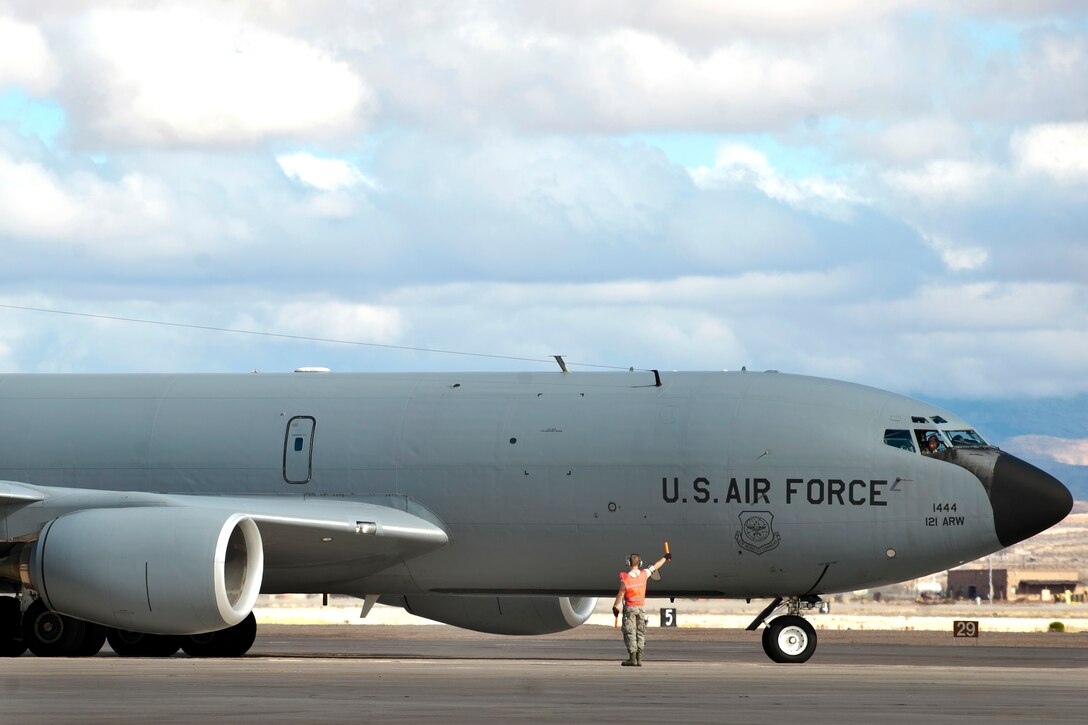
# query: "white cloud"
{"points": [[690, 322], [1071, 451], [956, 256], [625, 324], [989, 306], [206, 72], [737, 164], [77, 344], [334, 320], [1059, 150], [25, 59], [946, 181], [737, 74], [985, 339], [916, 140], [699, 22], [179, 75], [631, 78], [725, 292], [964, 362], [37, 203], [510, 220], [627, 67], [330, 205], [322, 174], [975, 340], [1034, 80], [562, 184]]}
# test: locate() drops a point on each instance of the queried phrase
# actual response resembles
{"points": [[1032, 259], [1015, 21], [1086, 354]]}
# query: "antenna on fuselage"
{"points": [[562, 364]]}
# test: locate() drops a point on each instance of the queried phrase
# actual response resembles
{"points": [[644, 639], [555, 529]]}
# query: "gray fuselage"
{"points": [[763, 484]]}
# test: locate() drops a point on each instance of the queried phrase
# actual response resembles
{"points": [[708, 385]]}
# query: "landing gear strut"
{"points": [[11, 628], [789, 638]]}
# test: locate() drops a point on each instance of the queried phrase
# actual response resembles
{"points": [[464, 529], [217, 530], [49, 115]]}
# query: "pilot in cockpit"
{"points": [[932, 445]]}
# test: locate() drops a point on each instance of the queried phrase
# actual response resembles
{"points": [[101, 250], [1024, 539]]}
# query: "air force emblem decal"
{"points": [[757, 533]]}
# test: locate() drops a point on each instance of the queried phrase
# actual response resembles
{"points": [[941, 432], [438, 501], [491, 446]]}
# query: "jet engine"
{"points": [[502, 615], [159, 570]]}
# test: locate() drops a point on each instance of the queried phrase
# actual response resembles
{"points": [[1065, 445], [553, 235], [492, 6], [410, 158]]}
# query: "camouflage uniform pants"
{"points": [[634, 628]]}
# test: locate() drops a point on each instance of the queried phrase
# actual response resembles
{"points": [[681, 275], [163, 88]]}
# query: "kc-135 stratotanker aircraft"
{"points": [[150, 510]]}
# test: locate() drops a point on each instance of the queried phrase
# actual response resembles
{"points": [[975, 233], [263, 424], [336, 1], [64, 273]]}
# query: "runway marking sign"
{"points": [[668, 616], [965, 628]]}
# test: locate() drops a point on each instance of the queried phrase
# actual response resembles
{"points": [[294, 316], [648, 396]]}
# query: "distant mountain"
{"points": [[1075, 478], [1000, 419]]}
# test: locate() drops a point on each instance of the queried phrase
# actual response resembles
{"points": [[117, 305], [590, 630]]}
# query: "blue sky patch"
{"points": [[32, 116], [693, 149], [989, 38]]}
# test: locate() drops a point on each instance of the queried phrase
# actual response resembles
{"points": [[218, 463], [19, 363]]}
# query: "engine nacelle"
{"points": [[160, 570], [503, 615]]}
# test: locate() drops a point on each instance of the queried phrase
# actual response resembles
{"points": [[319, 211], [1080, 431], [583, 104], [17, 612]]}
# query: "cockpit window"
{"points": [[899, 439], [965, 438], [930, 441]]}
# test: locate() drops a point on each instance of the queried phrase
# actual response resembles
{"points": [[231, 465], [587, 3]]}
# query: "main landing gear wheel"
{"points": [[48, 634], [230, 642], [138, 644], [789, 638], [94, 636], [11, 635]]}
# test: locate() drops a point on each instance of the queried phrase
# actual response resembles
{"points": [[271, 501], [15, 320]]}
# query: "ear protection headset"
{"points": [[629, 557]]}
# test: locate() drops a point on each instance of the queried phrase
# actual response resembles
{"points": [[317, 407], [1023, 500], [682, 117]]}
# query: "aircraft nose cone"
{"points": [[1025, 499]]}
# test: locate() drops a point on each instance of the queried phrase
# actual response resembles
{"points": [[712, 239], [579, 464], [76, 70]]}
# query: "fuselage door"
{"points": [[298, 449]]}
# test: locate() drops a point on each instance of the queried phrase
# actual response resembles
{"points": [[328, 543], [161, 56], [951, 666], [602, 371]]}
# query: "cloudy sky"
{"points": [[892, 193]]}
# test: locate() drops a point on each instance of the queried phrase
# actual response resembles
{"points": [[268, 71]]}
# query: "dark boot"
{"points": [[638, 658], [630, 661]]}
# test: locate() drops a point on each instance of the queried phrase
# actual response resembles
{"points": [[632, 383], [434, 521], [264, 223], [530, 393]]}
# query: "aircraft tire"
{"points": [[49, 634], [11, 634], [139, 644], [94, 636], [789, 639], [768, 647], [231, 642]]}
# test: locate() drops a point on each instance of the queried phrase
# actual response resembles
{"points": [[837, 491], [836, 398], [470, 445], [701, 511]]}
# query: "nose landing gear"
{"points": [[788, 638]]}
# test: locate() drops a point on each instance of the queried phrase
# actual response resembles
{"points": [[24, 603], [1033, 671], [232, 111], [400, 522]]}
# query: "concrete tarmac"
{"points": [[412, 674]]}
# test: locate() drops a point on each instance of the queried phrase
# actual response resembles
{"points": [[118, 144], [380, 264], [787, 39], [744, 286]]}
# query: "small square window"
{"points": [[298, 443]]}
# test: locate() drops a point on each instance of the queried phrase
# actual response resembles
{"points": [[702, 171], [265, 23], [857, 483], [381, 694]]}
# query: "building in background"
{"points": [[1022, 584]]}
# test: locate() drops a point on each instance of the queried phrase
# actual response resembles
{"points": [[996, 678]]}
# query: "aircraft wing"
{"points": [[309, 543], [318, 542]]}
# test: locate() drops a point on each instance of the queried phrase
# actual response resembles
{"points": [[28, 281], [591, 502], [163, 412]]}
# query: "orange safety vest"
{"points": [[634, 590]]}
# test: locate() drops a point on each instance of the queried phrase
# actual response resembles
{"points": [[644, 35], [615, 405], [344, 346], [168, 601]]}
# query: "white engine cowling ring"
{"points": [[159, 570]]}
